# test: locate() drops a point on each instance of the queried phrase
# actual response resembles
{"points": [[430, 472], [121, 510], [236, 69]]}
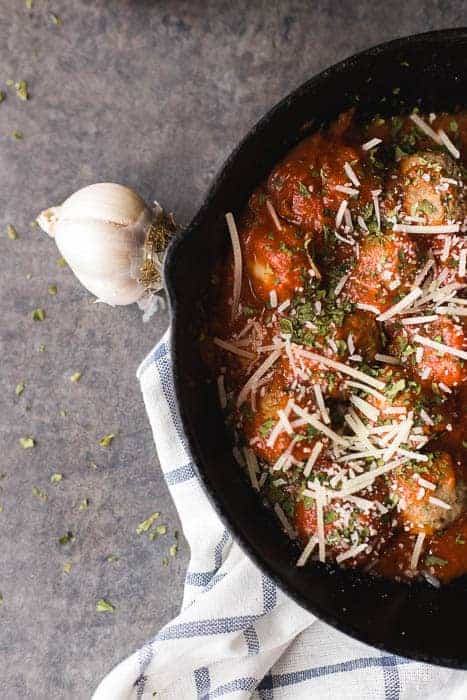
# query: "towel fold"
{"points": [[237, 635]]}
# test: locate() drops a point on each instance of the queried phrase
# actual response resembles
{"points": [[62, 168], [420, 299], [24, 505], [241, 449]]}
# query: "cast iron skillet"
{"points": [[417, 621]]}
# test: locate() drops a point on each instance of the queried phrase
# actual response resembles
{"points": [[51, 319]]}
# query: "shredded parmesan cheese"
{"points": [[402, 304], [237, 254], [430, 230], [320, 403], [252, 466], [349, 171], [340, 367], [346, 190], [284, 521], [371, 144], [315, 452], [351, 553], [262, 369], [417, 550], [273, 215], [305, 555], [366, 408], [423, 126], [230, 347], [340, 212], [446, 141], [438, 502], [440, 346], [415, 320]]}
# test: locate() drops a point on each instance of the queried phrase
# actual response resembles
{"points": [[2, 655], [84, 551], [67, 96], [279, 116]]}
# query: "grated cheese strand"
{"points": [[230, 347], [417, 550], [440, 346], [262, 369], [340, 367], [430, 230], [273, 215], [315, 452], [237, 253], [426, 128], [307, 552], [402, 304]]}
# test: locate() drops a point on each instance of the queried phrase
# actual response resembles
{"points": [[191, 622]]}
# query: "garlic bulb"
{"points": [[112, 240]]}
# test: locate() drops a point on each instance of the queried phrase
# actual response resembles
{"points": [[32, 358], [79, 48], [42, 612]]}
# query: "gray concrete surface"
{"points": [[155, 95]]}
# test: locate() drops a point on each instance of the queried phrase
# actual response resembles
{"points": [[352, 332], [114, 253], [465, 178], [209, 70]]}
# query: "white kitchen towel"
{"points": [[237, 635]]}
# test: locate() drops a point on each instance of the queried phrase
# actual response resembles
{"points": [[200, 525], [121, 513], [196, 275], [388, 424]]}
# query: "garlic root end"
{"points": [[47, 220]]}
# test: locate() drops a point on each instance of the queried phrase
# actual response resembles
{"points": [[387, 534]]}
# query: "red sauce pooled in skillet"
{"points": [[339, 348]]}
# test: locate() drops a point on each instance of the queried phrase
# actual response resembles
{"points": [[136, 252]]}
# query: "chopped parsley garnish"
{"points": [[66, 538], [103, 605], [38, 315], [39, 493], [432, 560], [56, 478], [394, 388], [147, 524], [112, 557], [303, 189], [106, 440], [11, 232], [21, 88], [425, 207], [266, 427], [330, 516]]}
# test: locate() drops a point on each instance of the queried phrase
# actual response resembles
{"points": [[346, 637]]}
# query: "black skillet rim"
{"points": [[170, 257]]}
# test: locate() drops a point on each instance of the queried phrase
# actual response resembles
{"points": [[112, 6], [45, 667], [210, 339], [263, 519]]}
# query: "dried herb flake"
{"points": [[106, 440], [66, 538], [27, 442], [39, 493], [21, 88], [103, 605], [147, 524], [38, 315], [11, 232]]}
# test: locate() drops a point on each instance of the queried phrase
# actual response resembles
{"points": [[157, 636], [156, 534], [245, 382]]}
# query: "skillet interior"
{"points": [[411, 620]]}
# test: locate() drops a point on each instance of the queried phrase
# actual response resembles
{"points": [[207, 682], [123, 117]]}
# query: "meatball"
{"points": [[295, 191], [432, 413], [346, 525], [385, 269], [427, 187], [335, 335], [430, 365], [303, 186], [275, 260], [260, 422], [431, 494]]}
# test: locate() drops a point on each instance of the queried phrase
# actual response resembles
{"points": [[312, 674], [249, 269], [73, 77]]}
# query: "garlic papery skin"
{"points": [[105, 232]]}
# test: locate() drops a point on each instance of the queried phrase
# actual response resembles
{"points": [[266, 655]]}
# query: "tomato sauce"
{"points": [[342, 368]]}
